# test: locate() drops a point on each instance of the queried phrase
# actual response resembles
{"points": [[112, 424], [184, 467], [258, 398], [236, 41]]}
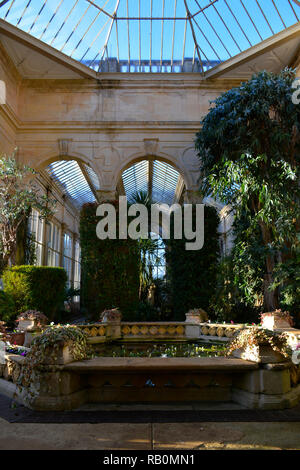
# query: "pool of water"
{"points": [[178, 349]]}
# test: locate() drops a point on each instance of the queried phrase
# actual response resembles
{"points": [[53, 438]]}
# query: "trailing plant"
{"points": [[255, 337], [18, 194], [36, 288], [45, 348], [249, 152], [192, 274]]}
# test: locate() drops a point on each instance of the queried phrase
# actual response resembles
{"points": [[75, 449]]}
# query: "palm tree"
{"points": [[149, 254]]}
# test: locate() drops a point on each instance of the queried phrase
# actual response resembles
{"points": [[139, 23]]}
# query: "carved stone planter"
{"points": [[112, 318], [263, 354], [62, 356], [273, 321], [196, 316]]}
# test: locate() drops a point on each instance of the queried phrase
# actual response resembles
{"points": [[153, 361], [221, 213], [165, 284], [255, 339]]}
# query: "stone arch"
{"points": [[45, 161]]}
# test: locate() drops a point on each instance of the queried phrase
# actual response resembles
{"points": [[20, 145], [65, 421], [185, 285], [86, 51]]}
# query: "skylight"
{"points": [[151, 35], [157, 178], [78, 181]]}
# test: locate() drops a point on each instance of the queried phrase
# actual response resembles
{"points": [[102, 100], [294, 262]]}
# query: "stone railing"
{"points": [[155, 331]]}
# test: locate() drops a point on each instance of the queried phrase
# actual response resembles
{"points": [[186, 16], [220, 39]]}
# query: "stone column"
{"points": [[63, 229], [106, 195], [74, 240], [193, 196]]}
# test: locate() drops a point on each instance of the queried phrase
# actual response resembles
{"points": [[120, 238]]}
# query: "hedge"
{"points": [[7, 308], [36, 288], [109, 269], [192, 274]]}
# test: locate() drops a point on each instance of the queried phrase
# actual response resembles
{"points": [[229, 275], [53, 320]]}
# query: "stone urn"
{"points": [[111, 316], [276, 320], [31, 323], [113, 319], [196, 315]]}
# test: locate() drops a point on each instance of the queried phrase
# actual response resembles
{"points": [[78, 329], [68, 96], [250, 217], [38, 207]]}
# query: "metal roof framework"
{"points": [[151, 35], [76, 180], [157, 178]]}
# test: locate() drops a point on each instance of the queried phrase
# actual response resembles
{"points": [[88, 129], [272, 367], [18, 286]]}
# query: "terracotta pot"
{"points": [[17, 339]]}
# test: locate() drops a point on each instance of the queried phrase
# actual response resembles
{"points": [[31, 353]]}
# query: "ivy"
{"points": [[110, 269]]}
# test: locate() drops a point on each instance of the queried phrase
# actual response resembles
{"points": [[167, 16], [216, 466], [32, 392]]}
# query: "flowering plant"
{"points": [[278, 313], [39, 318], [111, 315]]}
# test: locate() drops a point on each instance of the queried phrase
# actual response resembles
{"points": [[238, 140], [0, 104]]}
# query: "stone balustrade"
{"points": [[100, 332]]}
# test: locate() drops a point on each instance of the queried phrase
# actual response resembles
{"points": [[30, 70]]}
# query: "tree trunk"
{"points": [[271, 297]]}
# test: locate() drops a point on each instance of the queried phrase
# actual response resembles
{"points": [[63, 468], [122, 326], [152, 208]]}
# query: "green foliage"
{"points": [[146, 312], [148, 248], [18, 194], [249, 150], [110, 269], [192, 274], [36, 288], [230, 301], [287, 279], [7, 308]]}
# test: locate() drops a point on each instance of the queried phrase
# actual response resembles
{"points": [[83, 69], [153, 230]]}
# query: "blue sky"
{"points": [[54, 20]]}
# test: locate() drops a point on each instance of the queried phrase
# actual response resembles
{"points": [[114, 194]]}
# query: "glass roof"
{"points": [[151, 35], [77, 180], [157, 178]]}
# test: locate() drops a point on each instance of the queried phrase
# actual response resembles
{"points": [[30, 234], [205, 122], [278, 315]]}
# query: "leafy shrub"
{"points": [[192, 274], [110, 269], [36, 288], [7, 308]]}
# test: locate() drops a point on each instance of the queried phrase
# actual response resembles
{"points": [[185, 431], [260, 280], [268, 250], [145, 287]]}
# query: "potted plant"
{"points": [[111, 316], [32, 320], [276, 320], [17, 338], [196, 315], [259, 345]]}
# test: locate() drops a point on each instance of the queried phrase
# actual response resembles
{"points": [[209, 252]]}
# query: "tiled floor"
{"points": [[142, 427]]}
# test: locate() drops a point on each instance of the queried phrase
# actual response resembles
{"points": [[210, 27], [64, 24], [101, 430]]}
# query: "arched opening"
{"points": [[75, 179], [161, 180], [56, 242]]}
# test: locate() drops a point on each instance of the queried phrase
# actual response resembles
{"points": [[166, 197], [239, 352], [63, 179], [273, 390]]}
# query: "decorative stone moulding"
{"points": [[276, 320], [196, 315], [153, 330]]}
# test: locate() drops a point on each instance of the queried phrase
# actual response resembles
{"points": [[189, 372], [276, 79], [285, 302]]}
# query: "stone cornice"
{"points": [[133, 82], [10, 117], [88, 127]]}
